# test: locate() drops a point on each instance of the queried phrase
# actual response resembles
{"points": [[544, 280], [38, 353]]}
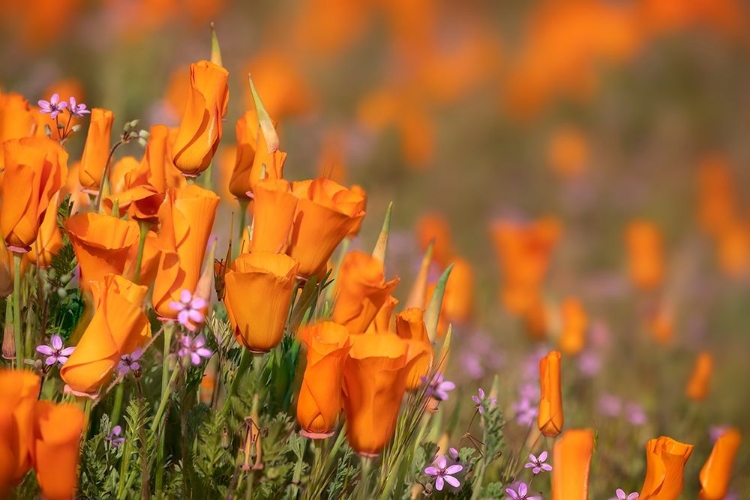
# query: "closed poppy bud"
{"points": [[49, 240], [326, 213], [374, 385], [18, 392], [717, 195], [361, 290], [458, 302], [572, 458], [574, 324], [536, 320], [101, 244], [550, 418], [156, 165], [186, 217], [733, 250], [410, 327], [118, 327], [319, 400], [275, 206], [35, 169], [568, 152], [57, 437], [6, 270], [201, 126], [645, 259], [434, 227], [665, 465], [717, 471], [96, 150], [253, 158], [258, 293], [699, 384], [382, 321]]}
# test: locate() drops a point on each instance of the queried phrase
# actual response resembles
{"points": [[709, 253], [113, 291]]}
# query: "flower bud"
{"points": [[9, 341]]}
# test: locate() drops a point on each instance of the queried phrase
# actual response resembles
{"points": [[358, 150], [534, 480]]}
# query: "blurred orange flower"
{"points": [[326, 213], [717, 471], [550, 418], [733, 247], [101, 244], [186, 218], [574, 325], [717, 195], [278, 79], [201, 126], [258, 293], [19, 390], [96, 150], [435, 227], [568, 151], [374, 384], [35, 169], [319, 401], [325, 28], [57, 437], [665, 464], [572, 458], [119, 326], [699, 384], [645, 254], [361, 290]]}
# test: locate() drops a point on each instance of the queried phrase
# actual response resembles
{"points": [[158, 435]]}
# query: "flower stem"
{"points": [[144, 227], [168, 331], [363, 477], [244, 202], [17, 312], [241, 369], [104, 180], [117, 408]]}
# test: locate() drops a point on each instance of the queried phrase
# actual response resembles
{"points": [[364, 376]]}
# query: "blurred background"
{"points": [[584, 162]]}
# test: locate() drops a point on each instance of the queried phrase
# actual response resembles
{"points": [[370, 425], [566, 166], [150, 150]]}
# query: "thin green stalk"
{"points": [[166, 386], [143, 226], [86, 417], [17, 312], [117, 408], [244, 202], [241, 369], [168, 331], [363, 490], [105, 173]]}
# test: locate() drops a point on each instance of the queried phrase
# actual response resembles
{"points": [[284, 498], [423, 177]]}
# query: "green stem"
{"points": [[117, 408], [363, 478], [244, 202], [241, 370], [144, 227], [86, 417], [17, 312], [168, 331], [105, 173], [165, 388]]}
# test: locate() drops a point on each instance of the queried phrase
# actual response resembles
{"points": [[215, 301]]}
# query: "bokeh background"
{"points": [[622, 125]]}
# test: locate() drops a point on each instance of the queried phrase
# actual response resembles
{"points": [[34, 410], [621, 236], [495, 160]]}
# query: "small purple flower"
{"points": [[537, 465], [589, 363], [438, 387], [189, 308], [609, 405], [444, 473], [635, 414], [480, 400], [77, 109], [194, 348], [716, 431], [521, 493], [115, 437], [453, 453], [621, 495], [529, 391], [525, 412], [129, 362], [54, 106], [472, 365], [56, 351]]}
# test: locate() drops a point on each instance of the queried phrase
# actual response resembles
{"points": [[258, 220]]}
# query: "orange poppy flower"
{"points": [[550, 419], [717, 195], [319, 402], [665, 464], [186, 217], [382, 321], [57, 437], [733, 249], [568, 152], [18, 393], [374, 385], [434, 227], [119, 326], [275, 206], [141, 203], [717, 471], [123, 174], [258, 293], [35, 169], [572, 457], [536, 321], [101, 244], [361, 290], [201, 126], [278, 79], [326, 213], [156, 166], [410, 326], [16, 119], [699, 384], [49, 240], [253, 157], [96, 150], [574, 325], [646, 260]]}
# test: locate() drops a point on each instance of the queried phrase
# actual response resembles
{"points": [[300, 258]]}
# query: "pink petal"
{"points": [[176, 306], [431, 471], [452, 481], [439, 483], [57, 342], [454, 469], [46, 350], [67, 351], [543, 456], [186, 297], [198, 303]]}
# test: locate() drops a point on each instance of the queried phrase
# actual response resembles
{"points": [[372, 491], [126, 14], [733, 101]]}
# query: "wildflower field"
{"points": [[375, 249]]}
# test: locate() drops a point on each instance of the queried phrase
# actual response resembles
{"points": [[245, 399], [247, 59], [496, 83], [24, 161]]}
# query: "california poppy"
{"points": [[699, 384], [574, 325], [18, 393], [96, 150], [572, 457], [717, 471], [49, 240], [275, 207], [253, 157], [665, 464], [410, 326], [550, 418], [645, 255], [156, 166]]}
